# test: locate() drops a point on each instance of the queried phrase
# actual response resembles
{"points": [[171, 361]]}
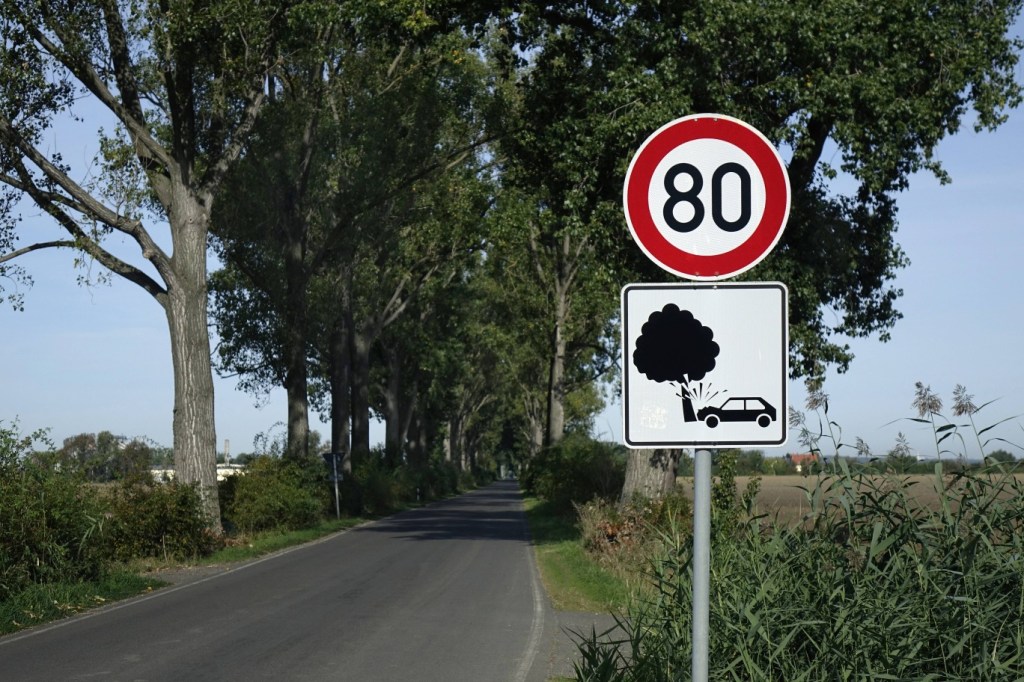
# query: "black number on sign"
{"points": [[716, 197], [676, 197]]}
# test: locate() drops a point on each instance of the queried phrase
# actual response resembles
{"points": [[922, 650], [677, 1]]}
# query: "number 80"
{"points": [[676, 197]]}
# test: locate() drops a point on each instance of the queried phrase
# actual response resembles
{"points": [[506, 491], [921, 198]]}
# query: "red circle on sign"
{"points": [[671, 257]]}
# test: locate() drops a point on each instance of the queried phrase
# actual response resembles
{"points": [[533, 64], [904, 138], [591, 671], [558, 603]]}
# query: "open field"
{"points": [[786, 497]]}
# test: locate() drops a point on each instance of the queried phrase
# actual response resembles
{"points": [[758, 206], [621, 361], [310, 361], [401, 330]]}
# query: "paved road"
{"points": [[447, 593]]}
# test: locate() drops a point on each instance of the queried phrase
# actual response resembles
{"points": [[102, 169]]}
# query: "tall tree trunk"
{"points": [[360, 393], [556, 377], [536, 434], [296, 381], [448, 442], [393, 408], [650, 473], [340, 370], [408, 413], [419, 438], [194, 432]]}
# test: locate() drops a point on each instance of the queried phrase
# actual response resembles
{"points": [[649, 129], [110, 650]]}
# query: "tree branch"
{"points": [[86, 243], [36, 247], [86, 73]]}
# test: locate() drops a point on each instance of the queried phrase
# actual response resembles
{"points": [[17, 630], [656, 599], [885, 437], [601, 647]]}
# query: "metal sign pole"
{"points": [[337, 499], [701, 563]]}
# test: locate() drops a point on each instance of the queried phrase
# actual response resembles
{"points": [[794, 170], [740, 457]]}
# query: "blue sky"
{"points": [[85, 359]]}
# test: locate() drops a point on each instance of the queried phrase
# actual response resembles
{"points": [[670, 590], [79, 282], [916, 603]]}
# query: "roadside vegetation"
{"points": [[884, 574], [69, 543]]}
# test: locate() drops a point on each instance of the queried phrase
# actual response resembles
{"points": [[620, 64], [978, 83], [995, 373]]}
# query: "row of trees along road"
{"points": [[418, 204]]}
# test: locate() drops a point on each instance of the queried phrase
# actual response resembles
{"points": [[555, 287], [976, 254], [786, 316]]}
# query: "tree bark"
{"points": [[393, 409], [360, 393], [340, 366], [556, 379], [650, 474], [194, 432], [296, 382]]}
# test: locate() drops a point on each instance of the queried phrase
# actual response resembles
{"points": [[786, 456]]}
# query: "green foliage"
{"points": [[150, 519], [728, 507], [573, 581], [52, 601], [623, 536], [874, 585], [378, 486], [50, 522], [576, 471], [104, 457], [279, 493]]}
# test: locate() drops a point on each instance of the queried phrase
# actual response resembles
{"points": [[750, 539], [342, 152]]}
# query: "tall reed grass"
{"points": [[875, 583]]}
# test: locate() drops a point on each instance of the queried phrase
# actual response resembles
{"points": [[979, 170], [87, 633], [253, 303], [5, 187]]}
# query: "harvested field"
{"points": [[785, 496]]}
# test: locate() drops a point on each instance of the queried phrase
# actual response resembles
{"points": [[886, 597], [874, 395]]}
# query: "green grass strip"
{"points": [[268, 542], [45, 603], [574, 581]]}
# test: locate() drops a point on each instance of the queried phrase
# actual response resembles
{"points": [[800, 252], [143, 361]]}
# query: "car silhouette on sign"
{"points": [[746, 409]]}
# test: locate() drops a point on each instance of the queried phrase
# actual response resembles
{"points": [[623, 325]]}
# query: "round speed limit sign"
{"points": [[706, 197]]}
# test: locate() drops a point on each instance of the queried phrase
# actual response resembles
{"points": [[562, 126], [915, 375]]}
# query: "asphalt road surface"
{"points": [[449, 592]]}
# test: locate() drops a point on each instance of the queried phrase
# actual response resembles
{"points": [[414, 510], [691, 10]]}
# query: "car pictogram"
{"points": [[745, 409]]}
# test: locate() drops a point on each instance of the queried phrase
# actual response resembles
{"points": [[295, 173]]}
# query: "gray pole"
{"points": [[337, 499], [701, 562]]}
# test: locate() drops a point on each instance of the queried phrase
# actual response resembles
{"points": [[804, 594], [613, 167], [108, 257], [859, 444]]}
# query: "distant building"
{"points": [[223, 471], [801, 461]]}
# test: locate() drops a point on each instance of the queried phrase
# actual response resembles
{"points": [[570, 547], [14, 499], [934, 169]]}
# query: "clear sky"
{"points": [[86, 359]]}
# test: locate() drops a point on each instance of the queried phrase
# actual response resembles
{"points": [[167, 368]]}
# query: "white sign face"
{"points": [[706, 197], [705, 365]]}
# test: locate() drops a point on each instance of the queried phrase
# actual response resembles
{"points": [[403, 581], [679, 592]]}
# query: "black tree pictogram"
{"points": [[674, 346]]}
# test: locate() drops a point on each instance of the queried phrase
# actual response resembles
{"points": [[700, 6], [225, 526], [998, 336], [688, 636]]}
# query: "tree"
{"points": [[185, 82], [560, 195], [882, 86], [364, 178], [674, 346], [104, 457], [1001, 456]]}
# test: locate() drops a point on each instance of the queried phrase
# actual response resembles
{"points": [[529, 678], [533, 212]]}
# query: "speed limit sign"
{"points": [[706, 197]]}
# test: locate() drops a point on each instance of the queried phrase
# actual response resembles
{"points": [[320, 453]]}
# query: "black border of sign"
{"points": [[626, 347]]}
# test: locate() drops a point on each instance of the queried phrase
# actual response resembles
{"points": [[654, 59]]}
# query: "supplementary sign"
{"points": [[704, 365]]}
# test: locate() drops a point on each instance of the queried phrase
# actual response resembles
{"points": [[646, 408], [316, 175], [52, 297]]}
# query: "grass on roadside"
{"points": [[49, 602], [44, 603], [572, 580], [245, 547]]}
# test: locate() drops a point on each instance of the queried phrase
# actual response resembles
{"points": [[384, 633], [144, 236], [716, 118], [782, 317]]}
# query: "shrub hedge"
{"points": [[50, 521], [575, 471], [149, 519], [278, 493]]}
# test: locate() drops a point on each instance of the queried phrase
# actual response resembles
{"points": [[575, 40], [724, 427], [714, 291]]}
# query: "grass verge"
{"points": [[251, 547], [573, 581], [45, 603]]}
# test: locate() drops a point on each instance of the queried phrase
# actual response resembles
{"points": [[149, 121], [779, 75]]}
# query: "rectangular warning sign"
{"points": [[705, 365]]}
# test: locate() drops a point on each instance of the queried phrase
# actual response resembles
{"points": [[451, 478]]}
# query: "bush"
{"points": [[378, 486], [624, 536], [576, 471], [873, 584], [150, 519], [279, 493], [50, 521]]}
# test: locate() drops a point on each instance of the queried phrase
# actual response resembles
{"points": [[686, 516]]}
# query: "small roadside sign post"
{"points": [[706, 197], [333, 459]]}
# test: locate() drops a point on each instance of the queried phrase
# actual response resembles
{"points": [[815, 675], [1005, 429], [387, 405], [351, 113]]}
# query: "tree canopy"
{"points": [[364, 165]]}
